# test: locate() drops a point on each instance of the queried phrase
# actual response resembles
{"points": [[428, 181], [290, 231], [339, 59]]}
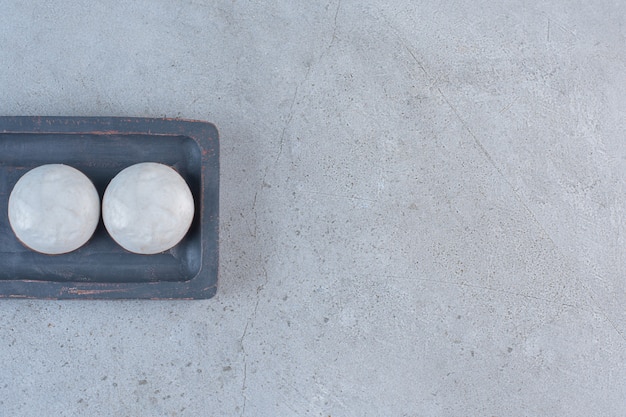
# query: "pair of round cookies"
{"points": [[147, 208]]}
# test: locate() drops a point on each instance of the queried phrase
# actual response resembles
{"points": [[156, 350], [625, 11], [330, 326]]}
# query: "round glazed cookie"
{"points": [[147, 208], [54, 209]]}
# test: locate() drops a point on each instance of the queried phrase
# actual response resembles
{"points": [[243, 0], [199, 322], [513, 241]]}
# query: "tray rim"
{"points": [[204, 284]]}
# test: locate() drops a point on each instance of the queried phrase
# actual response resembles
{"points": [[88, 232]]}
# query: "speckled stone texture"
{"points": [[423, 208]]}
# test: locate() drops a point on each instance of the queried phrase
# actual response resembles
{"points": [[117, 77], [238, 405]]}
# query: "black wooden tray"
{"points": [[100, 148]]}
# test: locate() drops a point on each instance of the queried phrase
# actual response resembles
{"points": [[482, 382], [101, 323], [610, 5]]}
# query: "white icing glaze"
{"points": [[147, 208], [54, 209]]}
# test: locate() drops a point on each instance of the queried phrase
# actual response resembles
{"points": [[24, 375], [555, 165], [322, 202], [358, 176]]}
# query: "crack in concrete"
{"points": [[254, 231], [251, 320], [517, 196], [290, 115]]}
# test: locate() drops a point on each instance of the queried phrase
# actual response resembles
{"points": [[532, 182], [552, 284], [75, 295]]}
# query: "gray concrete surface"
{"points": [[423, 208]]}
